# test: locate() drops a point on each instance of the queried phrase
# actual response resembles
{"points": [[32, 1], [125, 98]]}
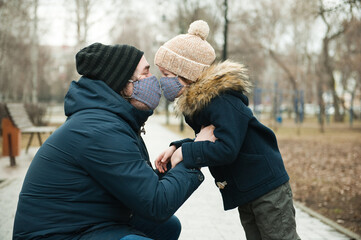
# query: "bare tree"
{"points": [[347, 59], [34, 54], [192, 10], [225, 30], [82, 13], [266, 28], [14, 49], [334, 31]]}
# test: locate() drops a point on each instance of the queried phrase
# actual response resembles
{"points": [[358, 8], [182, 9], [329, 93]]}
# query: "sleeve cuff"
{"points": [[192, 155], [179, 143]]}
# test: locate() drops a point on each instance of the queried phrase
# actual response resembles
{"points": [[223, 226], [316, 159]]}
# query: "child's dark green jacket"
{"points": [[245, 160]]}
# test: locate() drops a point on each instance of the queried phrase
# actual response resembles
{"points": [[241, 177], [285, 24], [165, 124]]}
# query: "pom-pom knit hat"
{"points": [[187, 55], [113, 64]]}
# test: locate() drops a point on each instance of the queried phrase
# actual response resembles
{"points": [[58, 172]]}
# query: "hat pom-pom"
{"points": [[199, 28]]}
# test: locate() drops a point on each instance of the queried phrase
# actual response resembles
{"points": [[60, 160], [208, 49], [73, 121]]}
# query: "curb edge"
{"points": [[328, 221]]}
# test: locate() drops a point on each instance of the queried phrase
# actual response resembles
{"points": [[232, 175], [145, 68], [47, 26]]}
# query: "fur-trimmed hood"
{"points": [[216, 80]]}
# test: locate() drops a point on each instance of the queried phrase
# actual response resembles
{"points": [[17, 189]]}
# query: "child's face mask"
{"points": [[147, 91], [171, 87]]}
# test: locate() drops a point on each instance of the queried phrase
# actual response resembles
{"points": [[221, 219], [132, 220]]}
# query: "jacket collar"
{"points": [[219, 78], [95, 94]]}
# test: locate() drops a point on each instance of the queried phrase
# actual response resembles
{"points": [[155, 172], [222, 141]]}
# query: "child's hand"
{"points": [[177, 157], [162, 160], [206, 134]]}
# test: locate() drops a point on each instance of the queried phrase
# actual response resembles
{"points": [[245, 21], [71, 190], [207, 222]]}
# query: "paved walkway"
{"points": [[202, 216]]}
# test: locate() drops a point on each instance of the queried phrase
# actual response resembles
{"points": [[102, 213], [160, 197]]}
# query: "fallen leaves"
{"points": [[326, 176]]}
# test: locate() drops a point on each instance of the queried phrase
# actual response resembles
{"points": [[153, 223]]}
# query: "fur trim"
{"points": [[217, 79]]}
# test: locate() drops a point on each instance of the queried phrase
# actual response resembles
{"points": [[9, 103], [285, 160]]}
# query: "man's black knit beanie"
{"points": [[113, 64]]}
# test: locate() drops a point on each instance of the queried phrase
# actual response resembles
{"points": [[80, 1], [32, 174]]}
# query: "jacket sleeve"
{"points": [[179, 143], [115, 162], [230, 123]]}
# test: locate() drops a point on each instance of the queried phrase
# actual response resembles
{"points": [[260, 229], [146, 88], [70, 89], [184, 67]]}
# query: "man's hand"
{"points": [[206, 134], [177, 157], [162, 160]]}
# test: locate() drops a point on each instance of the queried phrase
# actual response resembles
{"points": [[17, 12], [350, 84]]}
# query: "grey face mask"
{"points": [[147, 91], [171, 87]]}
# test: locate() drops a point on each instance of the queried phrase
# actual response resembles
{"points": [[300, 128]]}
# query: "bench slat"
{"points": [[21, 120]]}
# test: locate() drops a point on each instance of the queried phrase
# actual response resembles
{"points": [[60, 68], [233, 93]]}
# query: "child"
{"points": [[244, 160]]}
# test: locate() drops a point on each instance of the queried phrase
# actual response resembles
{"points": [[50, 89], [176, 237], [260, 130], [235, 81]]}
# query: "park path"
{"points": [[202, 215]]}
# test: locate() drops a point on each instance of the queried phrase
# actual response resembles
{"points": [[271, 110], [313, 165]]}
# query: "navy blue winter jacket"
{"points": [[93, 173], [245, 160]]}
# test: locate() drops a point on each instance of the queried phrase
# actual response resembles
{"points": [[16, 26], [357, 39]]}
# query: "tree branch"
{"points": [[284, 68], [322, 14]]}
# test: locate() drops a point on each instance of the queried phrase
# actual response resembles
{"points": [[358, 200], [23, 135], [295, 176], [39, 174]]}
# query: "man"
{"points": [[92, 178]]}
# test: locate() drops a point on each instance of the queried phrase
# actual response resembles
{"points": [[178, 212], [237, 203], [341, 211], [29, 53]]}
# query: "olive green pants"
{"points": [[270, 217]]}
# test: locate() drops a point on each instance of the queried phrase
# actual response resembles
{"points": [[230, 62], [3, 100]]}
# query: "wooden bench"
{"points": [[21, 120]]}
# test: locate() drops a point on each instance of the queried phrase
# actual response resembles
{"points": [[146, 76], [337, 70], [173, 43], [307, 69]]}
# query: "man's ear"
{"points": [[127, 91]]}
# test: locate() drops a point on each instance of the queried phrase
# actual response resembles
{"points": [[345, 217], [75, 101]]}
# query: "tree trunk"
{"points": [[225, 31], [35, 55], [290, 77], [331, 80], [351, 108], [82, 15], [321, 104]]}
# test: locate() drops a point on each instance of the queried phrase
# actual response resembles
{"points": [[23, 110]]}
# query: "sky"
{"points": [[51, 14], [57, 28]]}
